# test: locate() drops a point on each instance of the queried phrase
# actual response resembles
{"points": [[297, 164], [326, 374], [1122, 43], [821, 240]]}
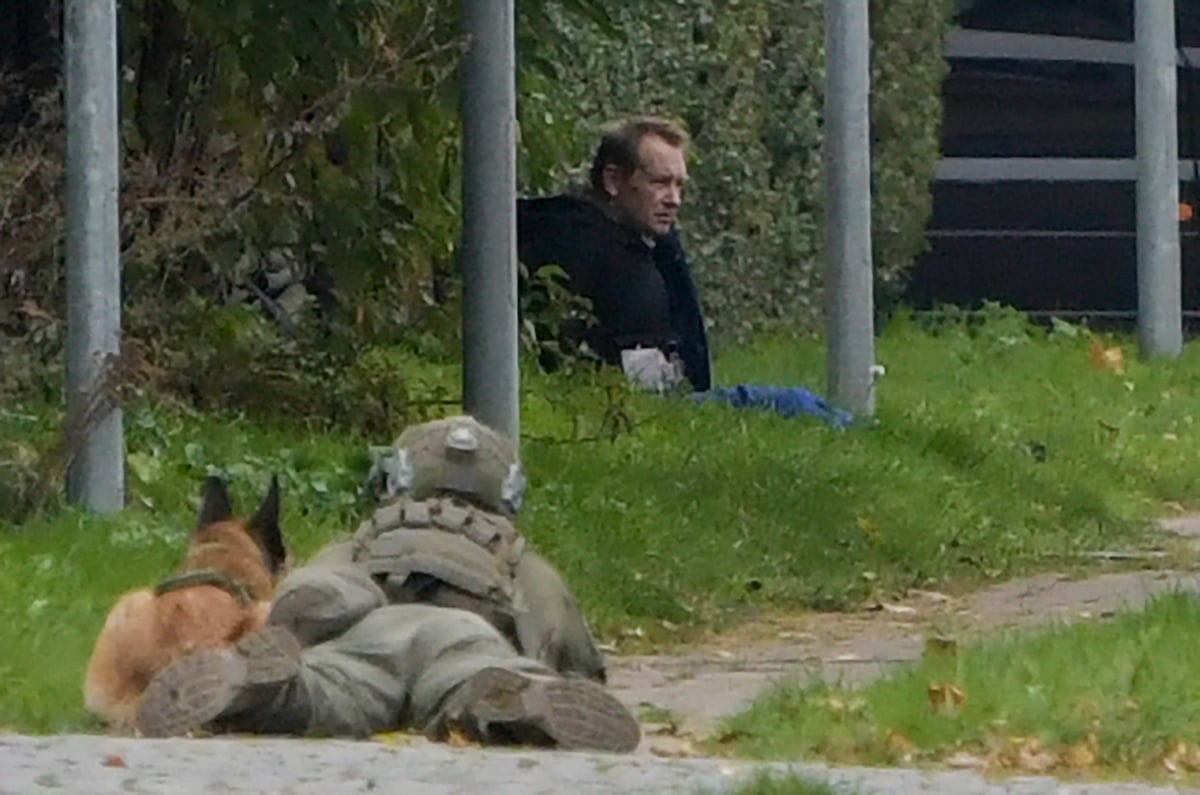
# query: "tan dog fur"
{"points": [[145, 632]]}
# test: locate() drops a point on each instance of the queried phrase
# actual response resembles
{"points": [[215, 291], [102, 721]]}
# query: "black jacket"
{"points": [[641, 293]]}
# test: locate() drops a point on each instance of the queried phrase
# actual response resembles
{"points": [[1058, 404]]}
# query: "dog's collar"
{"points": [[235, 588]]}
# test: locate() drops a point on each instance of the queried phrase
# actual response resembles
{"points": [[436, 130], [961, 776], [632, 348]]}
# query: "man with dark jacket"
{"points": [[618, 243], [619, 246]]}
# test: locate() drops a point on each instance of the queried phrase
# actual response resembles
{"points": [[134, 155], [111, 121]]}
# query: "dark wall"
{"points": [[1048, 242], [1092, 19], [1111, 20]]}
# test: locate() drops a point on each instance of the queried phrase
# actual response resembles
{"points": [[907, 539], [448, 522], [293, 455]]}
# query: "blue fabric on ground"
{"points": [[787, 401]]}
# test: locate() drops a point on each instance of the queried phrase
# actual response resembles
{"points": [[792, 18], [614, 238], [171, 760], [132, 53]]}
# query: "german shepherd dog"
{"points": [[221, 592]]}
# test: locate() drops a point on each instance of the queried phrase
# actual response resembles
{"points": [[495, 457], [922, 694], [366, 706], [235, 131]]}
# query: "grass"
{"points": [[60, 573], [999, 450], [1118, 698], [765, 784]]}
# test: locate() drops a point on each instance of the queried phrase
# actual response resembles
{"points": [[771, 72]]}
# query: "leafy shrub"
{"points": [[552, 319], [237, 357], [746, 78], [324, 142]]}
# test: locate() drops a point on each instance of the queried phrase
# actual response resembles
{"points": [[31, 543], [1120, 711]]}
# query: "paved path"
{"points": [[100, 765], [723, 677]]}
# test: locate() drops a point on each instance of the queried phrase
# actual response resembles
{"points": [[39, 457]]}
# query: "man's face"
{"points": [[648, 199]]}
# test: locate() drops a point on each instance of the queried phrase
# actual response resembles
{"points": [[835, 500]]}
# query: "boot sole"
{"points": [[192, 692], [575, 714]]}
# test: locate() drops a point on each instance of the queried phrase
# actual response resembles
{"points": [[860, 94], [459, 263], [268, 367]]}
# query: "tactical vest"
{"points": [[413, 548], [406, 544]]}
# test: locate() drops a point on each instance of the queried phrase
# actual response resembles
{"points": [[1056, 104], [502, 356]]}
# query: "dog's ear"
{"points": [[265, 526], [214, 504]]}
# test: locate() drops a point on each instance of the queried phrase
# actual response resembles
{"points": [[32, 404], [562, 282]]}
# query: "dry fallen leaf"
{"points": [[1182, 756], [1083, 754], [114, 761], [1038, 761], [946, 696], [458, 739], [673, 748], [965, 761], [1110, 359], [900, 744], [1026, 754]]}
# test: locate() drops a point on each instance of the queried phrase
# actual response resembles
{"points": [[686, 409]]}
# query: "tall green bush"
{"points": [[324, 139], [746, 77]]}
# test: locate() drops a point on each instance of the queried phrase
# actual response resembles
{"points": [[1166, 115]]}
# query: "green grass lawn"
{"points": [[788, 785], [999, 450], [1120, 697]]}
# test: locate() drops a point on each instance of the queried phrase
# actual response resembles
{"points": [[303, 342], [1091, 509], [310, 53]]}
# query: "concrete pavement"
{"points": [[99, 765]]}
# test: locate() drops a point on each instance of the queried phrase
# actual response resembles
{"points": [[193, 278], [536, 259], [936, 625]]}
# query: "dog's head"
{"points": [[251, 550]]}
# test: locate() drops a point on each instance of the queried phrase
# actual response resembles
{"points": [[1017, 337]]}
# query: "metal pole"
{"points": [[95, 438], [849, 283], [1160, 321], [491, 380]]}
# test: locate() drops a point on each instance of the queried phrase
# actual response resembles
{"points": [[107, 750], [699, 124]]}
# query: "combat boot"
{"points": [[497, 706], [214, 687]]}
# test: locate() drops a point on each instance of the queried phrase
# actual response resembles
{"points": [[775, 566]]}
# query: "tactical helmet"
{"points": [[459, 455]]}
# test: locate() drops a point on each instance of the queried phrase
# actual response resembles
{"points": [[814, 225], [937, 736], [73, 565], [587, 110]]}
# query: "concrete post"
{"points": [[1160, 309], [95, 437], [491, 380], [849, 282]]}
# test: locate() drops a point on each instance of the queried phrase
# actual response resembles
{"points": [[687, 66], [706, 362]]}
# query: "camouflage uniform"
{"points": [[436, 615]]}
